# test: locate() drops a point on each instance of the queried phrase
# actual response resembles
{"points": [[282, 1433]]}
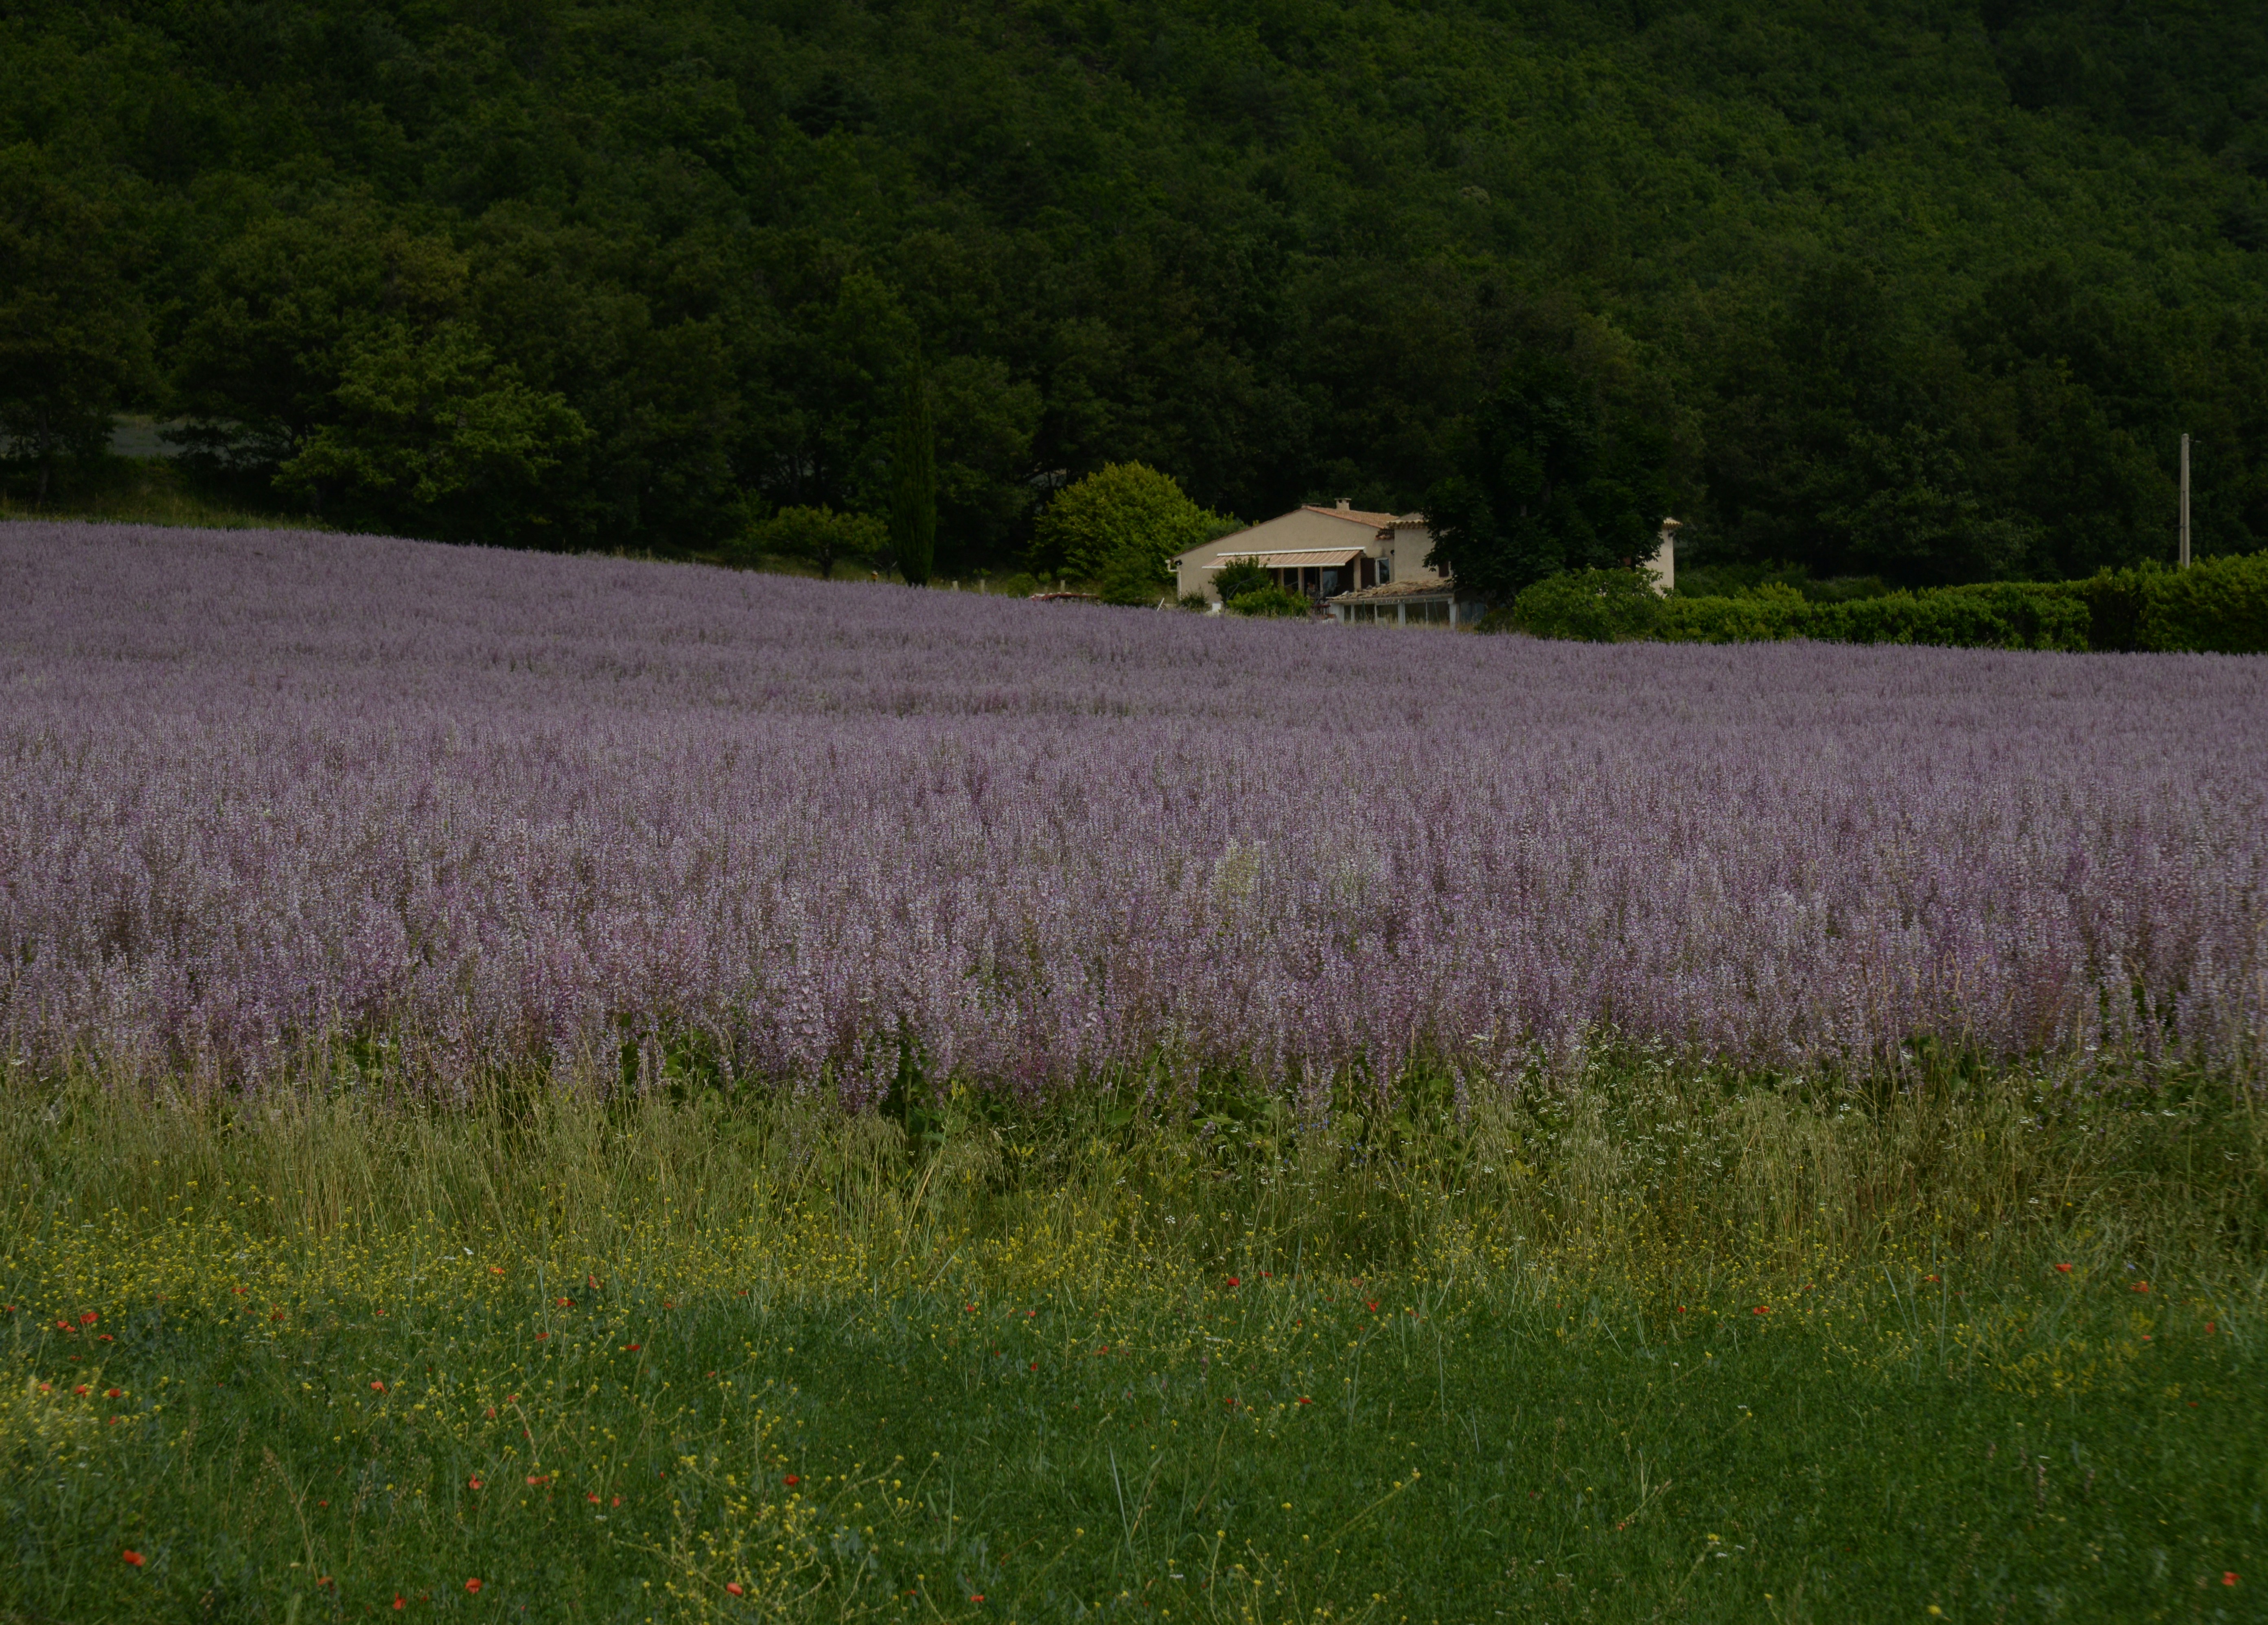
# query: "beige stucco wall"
{"points": [[1404, 548]]}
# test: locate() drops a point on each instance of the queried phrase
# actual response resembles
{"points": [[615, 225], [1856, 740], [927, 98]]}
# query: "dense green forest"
{"points": [[1922, 289]]}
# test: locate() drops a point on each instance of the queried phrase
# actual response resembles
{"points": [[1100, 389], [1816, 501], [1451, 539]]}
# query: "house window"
{"points": [[1385, 571]]}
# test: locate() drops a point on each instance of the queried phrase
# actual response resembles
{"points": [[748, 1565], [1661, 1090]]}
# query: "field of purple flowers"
{"points": [[274, 800]]}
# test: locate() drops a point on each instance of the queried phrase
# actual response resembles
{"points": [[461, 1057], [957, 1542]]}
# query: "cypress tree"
{"points": [[913, 482]]}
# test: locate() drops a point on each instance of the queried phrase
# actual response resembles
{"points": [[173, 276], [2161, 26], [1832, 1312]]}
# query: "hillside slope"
{"points": [[1920, 288]]}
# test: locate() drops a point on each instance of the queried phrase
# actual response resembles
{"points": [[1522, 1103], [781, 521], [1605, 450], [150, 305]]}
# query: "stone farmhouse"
{"points": [[1361, 566], [1366, 569]]}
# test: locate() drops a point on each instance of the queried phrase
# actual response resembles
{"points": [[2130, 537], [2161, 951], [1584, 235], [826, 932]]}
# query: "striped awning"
{"points": [[1327, 558]]}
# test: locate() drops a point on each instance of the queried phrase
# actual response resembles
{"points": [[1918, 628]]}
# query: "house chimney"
{"points": [[1345, 503]]}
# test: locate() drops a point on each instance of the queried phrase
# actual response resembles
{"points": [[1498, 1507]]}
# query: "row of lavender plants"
{"points": [[276, 801]]}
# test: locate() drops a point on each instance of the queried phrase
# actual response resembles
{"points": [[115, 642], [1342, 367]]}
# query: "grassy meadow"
{"points": [[1638, 1340]]}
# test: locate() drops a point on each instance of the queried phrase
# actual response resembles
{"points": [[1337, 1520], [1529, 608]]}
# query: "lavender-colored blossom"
{"points": [[274, 799]]}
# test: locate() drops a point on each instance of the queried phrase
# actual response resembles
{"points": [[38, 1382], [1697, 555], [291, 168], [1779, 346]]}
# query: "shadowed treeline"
{"points": [[1916, 290]]}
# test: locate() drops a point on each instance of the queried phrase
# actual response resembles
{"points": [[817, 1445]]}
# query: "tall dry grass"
{"points": [[1624, 1156]]}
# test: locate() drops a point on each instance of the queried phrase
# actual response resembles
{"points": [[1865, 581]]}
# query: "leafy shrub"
{"points": [[1268, 600], [2114, 602], [1240, 577], [1747, 619], [1133, 577], [2217, 606], [1118, 527], [1734, 580], [1593, 606], [1996, 615], [2001, 615]]}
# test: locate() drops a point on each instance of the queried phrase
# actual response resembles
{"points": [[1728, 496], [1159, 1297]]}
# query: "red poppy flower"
{"points": [[323, 1580], [81, 1389], [665, 1304], [137, 1560], [377, 1388], [2208, 1328], [1929, 1277], [2063, 1269], [241, 1291], [114, 1394], [65, 1326], [2228, 1576], [632, 1348], [979, 1597], [593, 1499], [1304, 1400], [536, 1480], [46, 1388], [496, 1269], [1761, 1309], [492, 1413], [540, 1336], [733, 1586], [398, 1603], [1232, 1281], [104, 1338], [970, 1307], [473, 1585], [473, 1482], [1371, 1306], [89, 1318], [618, 1500], [791, 1479], [565, 1303], [2141, 1286]]}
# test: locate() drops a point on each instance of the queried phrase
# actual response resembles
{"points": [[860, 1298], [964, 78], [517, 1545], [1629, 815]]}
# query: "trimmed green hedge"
{"points": [[1999, 615], [2216, 605], [2219, 605], [1589, 606]]}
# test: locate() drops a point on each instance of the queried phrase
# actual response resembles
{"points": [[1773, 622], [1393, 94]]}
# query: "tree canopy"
{"points": [[1119, 527], [1927, 288]]}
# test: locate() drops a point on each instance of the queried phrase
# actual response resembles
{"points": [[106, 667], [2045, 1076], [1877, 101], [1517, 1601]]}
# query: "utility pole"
{"points": [[2185, 501]]}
